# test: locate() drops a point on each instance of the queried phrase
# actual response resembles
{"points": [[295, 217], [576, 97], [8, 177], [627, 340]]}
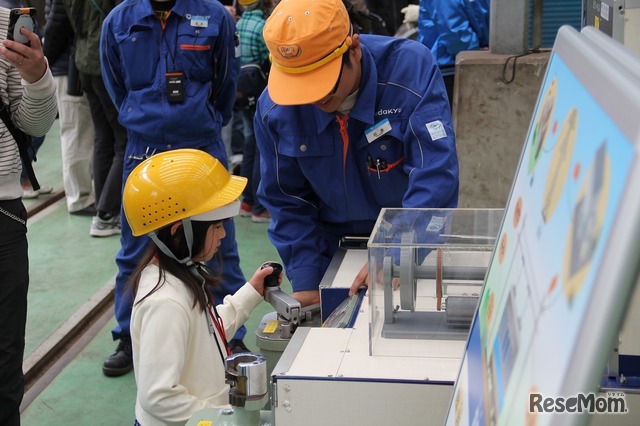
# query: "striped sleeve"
{"points": [[33, 105]]}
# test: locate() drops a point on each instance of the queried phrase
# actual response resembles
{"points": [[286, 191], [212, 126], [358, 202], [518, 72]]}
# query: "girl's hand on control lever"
{"points": [[258, 279]]}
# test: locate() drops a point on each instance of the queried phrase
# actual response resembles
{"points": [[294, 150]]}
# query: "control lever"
{"points": [[271, 280], [287, 308]]}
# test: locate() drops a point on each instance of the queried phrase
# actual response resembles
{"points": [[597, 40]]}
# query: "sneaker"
{"points": [[121, 361], [237, 346], [264, 217], [104, 227], [29, 193], [45, 189], [90, 210], [245, 209]]}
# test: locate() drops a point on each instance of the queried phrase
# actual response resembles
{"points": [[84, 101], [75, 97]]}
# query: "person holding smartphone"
{"points": [[36, 141], [27, 88]]}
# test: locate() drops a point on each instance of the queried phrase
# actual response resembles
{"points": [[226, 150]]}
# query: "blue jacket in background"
{"points": [[319, 188], [448, 27], [134, 67]]}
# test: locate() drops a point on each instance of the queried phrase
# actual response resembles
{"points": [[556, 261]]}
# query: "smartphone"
{"points": [[18, 18]]}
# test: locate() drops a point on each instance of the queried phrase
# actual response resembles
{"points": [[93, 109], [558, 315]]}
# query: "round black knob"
{"points": [[271, 280]]}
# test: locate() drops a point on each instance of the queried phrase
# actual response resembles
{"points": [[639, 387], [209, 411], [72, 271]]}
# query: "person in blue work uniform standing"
{"points": [[171, 69], [348, 124], [448, 27]]}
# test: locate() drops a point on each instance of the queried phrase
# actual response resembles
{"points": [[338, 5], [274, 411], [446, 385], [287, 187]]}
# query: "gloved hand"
{"points": [[410, 13]]}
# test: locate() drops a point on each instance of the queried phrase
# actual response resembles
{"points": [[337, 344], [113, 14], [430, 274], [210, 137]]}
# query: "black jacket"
{"points": [[58, 37], [87, 16], [389, 11]]}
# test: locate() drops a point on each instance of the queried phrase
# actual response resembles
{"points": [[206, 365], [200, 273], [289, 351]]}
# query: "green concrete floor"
{"points": [[67, 268]]}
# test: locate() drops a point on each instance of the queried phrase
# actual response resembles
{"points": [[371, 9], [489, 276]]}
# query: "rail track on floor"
{"points": [[61, 347]]}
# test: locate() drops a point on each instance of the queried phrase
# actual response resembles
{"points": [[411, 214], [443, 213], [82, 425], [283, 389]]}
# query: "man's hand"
{"points": [[306, 298], [362, 279]]}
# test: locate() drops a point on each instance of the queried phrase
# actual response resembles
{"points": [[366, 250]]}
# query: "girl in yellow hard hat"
{"points": [[180, 199]]}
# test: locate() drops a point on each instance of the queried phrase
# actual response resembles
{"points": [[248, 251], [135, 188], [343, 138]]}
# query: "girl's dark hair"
{"points": [[178, 246]]}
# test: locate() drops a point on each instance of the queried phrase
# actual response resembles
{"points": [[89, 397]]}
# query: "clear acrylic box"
{"points": [[427, 267]]}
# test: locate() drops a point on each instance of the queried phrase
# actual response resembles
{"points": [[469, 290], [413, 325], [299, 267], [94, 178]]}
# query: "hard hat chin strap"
{"points": [[187, 261], [188, 238]]}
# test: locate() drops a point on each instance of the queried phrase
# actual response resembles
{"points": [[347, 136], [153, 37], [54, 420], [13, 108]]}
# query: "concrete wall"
{"points": [[491, 120]]}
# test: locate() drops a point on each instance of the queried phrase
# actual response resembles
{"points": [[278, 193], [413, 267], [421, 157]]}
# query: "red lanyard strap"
{"points": [[219, 326]]}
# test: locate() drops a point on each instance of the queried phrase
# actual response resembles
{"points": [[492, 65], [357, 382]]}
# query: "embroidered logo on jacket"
{"points": [[388, 111], [199, 17]]}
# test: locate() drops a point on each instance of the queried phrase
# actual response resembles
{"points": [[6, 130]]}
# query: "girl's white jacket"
{"points": [[177, 365]]}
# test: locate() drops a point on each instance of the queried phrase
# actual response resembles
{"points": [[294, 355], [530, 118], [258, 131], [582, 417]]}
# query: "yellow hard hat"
{"points": [[179, 184], [247, 2]]}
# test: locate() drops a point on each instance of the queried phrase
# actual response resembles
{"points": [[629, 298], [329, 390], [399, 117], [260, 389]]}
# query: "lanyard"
{"points": [[215, 323], [172, 55]]}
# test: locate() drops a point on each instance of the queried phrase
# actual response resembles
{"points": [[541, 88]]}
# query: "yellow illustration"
{"points": [[560, 163]]}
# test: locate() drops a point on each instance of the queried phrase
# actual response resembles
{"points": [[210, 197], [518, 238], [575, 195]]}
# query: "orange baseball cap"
{"points": [[306, 41]]}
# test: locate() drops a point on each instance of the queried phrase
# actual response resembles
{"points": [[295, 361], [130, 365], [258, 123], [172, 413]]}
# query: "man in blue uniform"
{"points": [[171, 69], [348, 124]]}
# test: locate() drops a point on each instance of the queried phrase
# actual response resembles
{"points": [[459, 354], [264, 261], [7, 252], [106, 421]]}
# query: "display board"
{"points": [[566, 258]]}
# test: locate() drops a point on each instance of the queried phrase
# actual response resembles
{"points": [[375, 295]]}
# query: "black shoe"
{"points": [[90, 210], [120, 362], [237, 346]]}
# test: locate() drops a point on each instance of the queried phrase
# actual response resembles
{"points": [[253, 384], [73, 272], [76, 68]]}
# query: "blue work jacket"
{"points": [[319, 186], [448, 27], [199, 39]]}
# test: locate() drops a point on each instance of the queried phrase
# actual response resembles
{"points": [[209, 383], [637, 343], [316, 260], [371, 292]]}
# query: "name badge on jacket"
{"points": [[377, 130]]}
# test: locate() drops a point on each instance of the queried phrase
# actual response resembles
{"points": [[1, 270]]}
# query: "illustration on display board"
{"points": [[560, 219]]}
